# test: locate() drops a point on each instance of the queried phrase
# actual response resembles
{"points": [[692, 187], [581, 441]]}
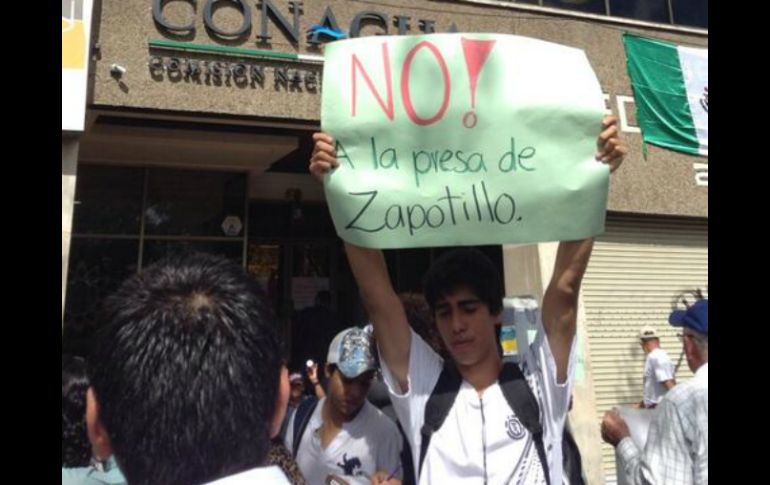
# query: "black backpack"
{"points": [[520, 398], [301, 419], [516, 392], [571, 459]]}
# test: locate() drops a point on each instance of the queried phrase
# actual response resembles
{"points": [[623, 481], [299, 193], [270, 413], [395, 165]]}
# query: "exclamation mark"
{"points": [[476, 53]]}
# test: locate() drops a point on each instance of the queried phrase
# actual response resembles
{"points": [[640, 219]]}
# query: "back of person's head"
{"points": [[185, 373], [75, 447], [464, 267]]}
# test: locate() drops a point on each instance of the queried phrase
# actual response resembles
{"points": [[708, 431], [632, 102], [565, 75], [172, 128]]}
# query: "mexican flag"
{"points": [[671, 91]]}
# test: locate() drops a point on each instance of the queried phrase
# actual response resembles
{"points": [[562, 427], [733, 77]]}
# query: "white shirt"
{"points": [[657, 369], [677, 449], [269, 475], [484, 432], [369, 443]]}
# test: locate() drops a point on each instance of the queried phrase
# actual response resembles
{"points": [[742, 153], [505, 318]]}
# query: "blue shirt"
{"points": [[89, 475]]}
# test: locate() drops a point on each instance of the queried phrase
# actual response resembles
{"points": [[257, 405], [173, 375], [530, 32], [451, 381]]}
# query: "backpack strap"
{"points": [[301, 420], [439, 403], [571, 459], [521, 399]]}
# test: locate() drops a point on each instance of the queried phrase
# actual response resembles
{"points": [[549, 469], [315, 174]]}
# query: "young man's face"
{"points": [[648, 345], [347, 396], [466, 327]]}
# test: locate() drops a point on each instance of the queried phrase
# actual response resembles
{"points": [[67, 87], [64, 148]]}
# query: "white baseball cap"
{"points": [[351, 351]]}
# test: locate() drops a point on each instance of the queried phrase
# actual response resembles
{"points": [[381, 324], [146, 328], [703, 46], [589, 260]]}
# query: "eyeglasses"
{"points": [[681, 336]]}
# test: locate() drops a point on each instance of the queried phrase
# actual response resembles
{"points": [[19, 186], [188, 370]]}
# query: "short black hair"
{"points": [[464, 267], [75, 447], [186, 369]]}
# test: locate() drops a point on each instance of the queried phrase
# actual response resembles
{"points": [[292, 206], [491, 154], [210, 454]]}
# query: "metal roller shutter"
{"points": [[636, 269]]}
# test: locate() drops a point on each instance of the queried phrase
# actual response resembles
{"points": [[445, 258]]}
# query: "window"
{"points": [[586, 6], [687, 13], [692, 13], [126, 218], [648, 10]]}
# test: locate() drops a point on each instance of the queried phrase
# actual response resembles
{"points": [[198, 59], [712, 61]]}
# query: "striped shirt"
{"points": [[677, 449]]}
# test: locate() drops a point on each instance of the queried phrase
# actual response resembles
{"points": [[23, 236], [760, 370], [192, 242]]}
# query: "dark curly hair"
{"points": [[420, 317], [75, 448], [464, 267]]}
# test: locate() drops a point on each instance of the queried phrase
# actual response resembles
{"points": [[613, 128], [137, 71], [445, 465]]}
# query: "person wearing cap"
{"points": [[658, 369], [297, 394], [676, 451], [344, 435], [296, 388]]}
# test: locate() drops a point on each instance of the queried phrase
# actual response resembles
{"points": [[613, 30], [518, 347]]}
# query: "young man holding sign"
{"points": [[474, 418]]}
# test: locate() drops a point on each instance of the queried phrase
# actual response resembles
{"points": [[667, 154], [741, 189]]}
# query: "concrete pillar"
{"points": [[69, 162]]}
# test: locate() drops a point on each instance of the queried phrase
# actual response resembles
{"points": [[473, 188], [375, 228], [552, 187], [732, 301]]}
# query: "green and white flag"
{"points": [[671, 90]]}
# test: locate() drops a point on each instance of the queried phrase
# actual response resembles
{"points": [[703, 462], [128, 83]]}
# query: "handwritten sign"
{"points": [[462, 139]]}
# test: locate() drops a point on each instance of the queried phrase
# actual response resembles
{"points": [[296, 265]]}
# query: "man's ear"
{"points": [[97, 433], [281, 401]]}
